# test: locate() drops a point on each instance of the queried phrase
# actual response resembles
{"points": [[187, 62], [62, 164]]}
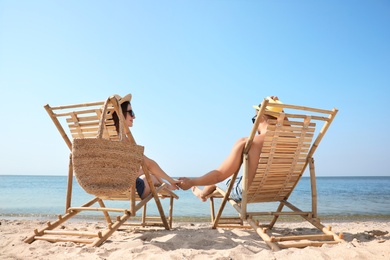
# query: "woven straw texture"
{"points": [[105, 168]]}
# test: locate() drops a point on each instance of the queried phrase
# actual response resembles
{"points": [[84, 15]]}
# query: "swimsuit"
{"points": [[140, 186], [236, 193]]}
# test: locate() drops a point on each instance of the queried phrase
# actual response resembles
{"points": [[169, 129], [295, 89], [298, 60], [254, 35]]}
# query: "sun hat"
{"points": [[270, 107], [123, 99]]}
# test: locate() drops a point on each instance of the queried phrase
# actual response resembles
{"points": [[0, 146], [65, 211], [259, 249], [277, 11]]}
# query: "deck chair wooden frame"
{"points": [[288, 149], [82, 121]]}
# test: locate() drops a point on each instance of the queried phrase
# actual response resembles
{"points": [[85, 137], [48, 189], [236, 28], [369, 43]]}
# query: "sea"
{"points": [[339, 198]]}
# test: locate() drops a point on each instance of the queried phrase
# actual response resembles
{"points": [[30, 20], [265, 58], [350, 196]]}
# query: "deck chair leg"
{"points": [[313, 188], [161, 210], [61, 219], [68, 202], [276, 216], [105, 213], [224, 200], [143, 223], [314, 221], [212, 209], [220, 210], [262, 233], [112, 229], [170, 211], [155, 196], [50, 226]]}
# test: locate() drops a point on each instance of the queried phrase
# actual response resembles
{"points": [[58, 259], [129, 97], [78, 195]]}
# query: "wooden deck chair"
{"points": [[82, 121], [289, 145]]}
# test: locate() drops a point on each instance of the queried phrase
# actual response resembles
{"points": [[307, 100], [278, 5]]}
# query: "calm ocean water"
{"points": [[338, 198]]}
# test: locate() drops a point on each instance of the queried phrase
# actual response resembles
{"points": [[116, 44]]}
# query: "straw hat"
{"points": [[123, 99], [270, 107]]}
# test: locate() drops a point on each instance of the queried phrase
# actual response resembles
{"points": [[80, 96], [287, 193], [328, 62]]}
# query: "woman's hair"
{"points": [[115, 117]]}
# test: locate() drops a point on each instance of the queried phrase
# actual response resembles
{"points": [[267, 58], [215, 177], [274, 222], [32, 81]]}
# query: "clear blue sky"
{"points": [[195, 68]]}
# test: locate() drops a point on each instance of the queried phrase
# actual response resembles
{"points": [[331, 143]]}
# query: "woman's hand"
{"points": [[174, 185], [185, 183]]}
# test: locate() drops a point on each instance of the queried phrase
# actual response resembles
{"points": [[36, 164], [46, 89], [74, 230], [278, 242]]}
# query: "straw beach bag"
{"points": [[104, 167]]}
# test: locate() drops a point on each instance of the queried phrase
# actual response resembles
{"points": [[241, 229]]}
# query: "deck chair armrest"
{"points": [[218, 193], [165, 191]]}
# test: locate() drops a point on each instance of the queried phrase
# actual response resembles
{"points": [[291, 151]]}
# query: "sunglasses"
{"points": [[131, 113], [254, 119]]}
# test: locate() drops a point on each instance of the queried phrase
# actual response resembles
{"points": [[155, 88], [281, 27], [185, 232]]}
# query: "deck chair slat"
{"points": [[78, 106], [294, 122], [272, 178], [285, 151], [289, 128], [81, 119], [264, 158], [87, 127], [79, 112], [287, 138]]}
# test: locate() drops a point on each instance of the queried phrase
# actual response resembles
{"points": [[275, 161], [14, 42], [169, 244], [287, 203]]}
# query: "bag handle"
{"points": [[103, 119]]}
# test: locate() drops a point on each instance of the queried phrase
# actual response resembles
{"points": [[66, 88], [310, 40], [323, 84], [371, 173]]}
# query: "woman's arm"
{"points": [[156, 170]]}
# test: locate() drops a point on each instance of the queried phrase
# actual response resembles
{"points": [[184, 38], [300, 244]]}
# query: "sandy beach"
{"points": [[196, 240]]}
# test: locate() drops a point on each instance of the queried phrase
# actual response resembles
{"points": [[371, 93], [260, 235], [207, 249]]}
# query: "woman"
{"points": [[158, 175], [232, 163]]}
